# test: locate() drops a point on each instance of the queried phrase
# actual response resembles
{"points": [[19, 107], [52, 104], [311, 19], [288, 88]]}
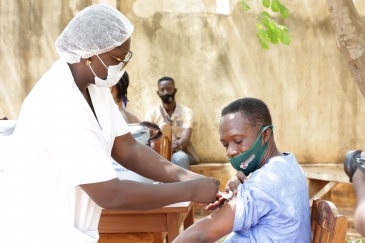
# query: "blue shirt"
{"points": [[273, 205]]}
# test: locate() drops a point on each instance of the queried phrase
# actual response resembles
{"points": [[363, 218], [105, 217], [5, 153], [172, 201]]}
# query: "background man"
{"points": [[272, 204], [179, 117]]}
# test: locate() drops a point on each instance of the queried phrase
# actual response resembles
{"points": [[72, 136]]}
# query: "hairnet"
{"points": [[94, 30]]}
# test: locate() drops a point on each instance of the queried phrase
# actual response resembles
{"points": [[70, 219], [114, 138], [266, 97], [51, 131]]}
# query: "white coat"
{"points": [[58, 144]]}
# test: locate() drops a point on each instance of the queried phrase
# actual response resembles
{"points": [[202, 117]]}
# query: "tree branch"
{"points": [[350, 35]]}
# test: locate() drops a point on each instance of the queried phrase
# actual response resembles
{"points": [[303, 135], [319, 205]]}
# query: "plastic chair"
{"points": [[163, 146], [327, 225]]}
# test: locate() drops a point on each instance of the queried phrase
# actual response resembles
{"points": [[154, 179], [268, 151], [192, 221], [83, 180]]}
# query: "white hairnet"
{"points": [[95, 30]]}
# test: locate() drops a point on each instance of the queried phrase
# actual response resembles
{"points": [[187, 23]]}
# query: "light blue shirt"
{"points": [[273, 205]]}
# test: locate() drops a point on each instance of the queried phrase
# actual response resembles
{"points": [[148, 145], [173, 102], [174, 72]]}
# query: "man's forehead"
{"points": [[234, 123], [166, 83]]}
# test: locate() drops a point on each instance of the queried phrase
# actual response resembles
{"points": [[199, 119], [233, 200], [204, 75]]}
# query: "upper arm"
{"points": [[123, 146], [186, 134], [213, 227]]}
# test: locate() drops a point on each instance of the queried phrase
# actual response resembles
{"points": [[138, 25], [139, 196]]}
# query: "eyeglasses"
{"points": [[126, 59]]}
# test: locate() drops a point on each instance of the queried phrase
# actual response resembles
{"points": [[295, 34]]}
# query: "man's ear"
{"points": [[157, 93], [266, 135], [175, 89]]}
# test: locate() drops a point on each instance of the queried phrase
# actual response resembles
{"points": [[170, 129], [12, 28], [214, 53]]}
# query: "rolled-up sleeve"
{"points": [[252, 204]]}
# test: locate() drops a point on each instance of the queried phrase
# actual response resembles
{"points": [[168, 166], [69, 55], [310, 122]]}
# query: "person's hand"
{"points": [[176, 146], [231, 186], [235, 181], [204, 189], [218, 202]]}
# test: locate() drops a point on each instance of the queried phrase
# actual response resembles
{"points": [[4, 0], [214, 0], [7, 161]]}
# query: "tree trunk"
{"points": [[350, 35]]}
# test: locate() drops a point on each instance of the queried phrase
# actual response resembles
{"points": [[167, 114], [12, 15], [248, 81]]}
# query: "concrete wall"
{"points": [[316, 107]]}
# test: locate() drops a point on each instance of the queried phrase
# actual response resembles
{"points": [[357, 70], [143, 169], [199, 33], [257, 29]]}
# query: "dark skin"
{"points": [[237, 136], [130, 195], [236, 140], [168, 87]]}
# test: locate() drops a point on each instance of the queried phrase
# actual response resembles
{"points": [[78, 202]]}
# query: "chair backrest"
{"points": [[163, 146], [326, 223]]}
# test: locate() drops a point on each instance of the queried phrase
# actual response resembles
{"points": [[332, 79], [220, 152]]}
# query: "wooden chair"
{"points": [[163, 146], [327, 226]]}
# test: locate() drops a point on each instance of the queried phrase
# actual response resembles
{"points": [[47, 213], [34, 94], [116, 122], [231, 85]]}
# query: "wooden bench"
{"points": [[322, 178]]}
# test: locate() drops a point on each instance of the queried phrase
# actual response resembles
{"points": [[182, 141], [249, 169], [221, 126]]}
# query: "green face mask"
{"points": [[248, 161]]}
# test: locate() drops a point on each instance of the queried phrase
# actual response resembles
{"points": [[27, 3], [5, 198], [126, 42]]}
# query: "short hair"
{"points": [[166, 78], [122, 87], [254, 110]]}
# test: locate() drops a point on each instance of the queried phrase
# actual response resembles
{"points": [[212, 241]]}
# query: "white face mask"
{"points": [[115, 72]]}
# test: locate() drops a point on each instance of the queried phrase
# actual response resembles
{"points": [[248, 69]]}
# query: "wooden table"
{"points": [[145, 226], [321, 178]]}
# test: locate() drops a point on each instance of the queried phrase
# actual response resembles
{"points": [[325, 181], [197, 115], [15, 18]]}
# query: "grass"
{"points": [[355, 241]]}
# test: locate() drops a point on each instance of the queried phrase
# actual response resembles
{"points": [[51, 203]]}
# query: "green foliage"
{"points": [[355, 240], [244, 5], [266, 3], [270, 31]]}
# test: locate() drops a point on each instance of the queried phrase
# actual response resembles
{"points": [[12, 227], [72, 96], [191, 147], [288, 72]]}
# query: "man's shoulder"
{"points": [[184, 109]]}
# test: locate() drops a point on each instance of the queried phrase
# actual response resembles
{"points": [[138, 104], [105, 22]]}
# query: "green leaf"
{"points": [[275, 6], [283, 27], [259, 26], [268, 23], [285, 37], [278, 33], [262, 42], [244, 5], [265, 14], [272, 36], [266, 3], [263, 35], [284, 12]]}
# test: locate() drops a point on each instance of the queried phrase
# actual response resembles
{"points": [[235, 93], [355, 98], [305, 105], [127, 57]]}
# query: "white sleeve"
{"points": [[77, 152], [120, 126]]}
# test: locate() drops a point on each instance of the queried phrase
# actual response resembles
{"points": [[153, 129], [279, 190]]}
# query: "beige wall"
{"points": [[215, 59]]}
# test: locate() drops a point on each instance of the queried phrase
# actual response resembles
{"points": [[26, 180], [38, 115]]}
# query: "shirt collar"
{"points": [[175, 114]]}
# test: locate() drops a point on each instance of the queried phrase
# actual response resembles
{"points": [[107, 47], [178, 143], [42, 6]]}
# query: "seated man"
{"points": [[272, 204], [180, 118]]}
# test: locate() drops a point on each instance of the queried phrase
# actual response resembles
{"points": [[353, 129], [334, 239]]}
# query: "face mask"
{"points": [[249, 161], [115, 72], [167, 98]]}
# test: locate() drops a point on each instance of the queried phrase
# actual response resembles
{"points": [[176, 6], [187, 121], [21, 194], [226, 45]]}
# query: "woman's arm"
{"points": [[132, 195], [146, 162]]}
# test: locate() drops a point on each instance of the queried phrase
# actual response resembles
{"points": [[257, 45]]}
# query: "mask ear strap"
{"points": [[92, 70], [102, 62], [266, 127]]}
